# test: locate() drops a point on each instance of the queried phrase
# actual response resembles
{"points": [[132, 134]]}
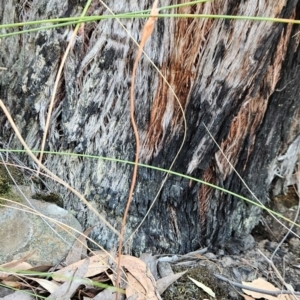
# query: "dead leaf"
{"points": [[50, 286], [98, 264], [247, 297], [13, 284], [203, 287], [138, 269], [163, 283], [135, 290], [15, 262], [13, 266], [260, 283], [75, 279]]}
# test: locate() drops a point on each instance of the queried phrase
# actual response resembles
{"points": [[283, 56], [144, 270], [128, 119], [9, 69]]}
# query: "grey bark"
{"points": [[235, 77]]}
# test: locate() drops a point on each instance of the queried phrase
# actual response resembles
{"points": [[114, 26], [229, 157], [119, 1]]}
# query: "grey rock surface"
{"points": [[23, 233]]}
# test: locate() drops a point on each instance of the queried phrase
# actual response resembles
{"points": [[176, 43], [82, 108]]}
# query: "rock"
{"points": [[151, 262], [210, 256], [18, 295], [164, 269], [238, 245], [23, 233], [227, 261], [294, 244], [4, 291]]}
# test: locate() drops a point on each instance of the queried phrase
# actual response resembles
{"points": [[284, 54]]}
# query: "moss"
{"points": [[6, 183], [184, 288], [4, 186], [15, 173], [52, 198], [6, 192]]}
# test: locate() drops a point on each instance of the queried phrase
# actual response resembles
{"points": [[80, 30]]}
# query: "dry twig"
{"points": [[147, 31]]}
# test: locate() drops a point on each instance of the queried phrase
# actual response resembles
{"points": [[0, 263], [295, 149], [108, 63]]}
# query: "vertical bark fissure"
{"points": [[179, 68], [226, 76]]}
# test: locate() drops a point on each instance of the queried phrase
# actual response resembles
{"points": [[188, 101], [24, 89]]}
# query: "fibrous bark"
{"points": [[234, 77]]}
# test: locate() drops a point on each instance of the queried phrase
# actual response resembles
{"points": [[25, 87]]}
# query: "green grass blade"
{"points": [[76, 20], [163, 171]]}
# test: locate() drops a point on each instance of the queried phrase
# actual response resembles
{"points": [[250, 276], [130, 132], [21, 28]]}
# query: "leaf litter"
{"points": [[90, 278], [94, 278]]}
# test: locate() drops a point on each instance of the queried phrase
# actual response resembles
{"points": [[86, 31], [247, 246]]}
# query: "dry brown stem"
{"points": [[147, 31]]}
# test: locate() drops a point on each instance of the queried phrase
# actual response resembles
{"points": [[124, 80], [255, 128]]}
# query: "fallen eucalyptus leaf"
{"points": [[204, 287]]}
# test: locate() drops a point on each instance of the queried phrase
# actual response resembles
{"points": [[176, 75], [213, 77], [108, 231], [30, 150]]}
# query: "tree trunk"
{"points": [[237, 78]]}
